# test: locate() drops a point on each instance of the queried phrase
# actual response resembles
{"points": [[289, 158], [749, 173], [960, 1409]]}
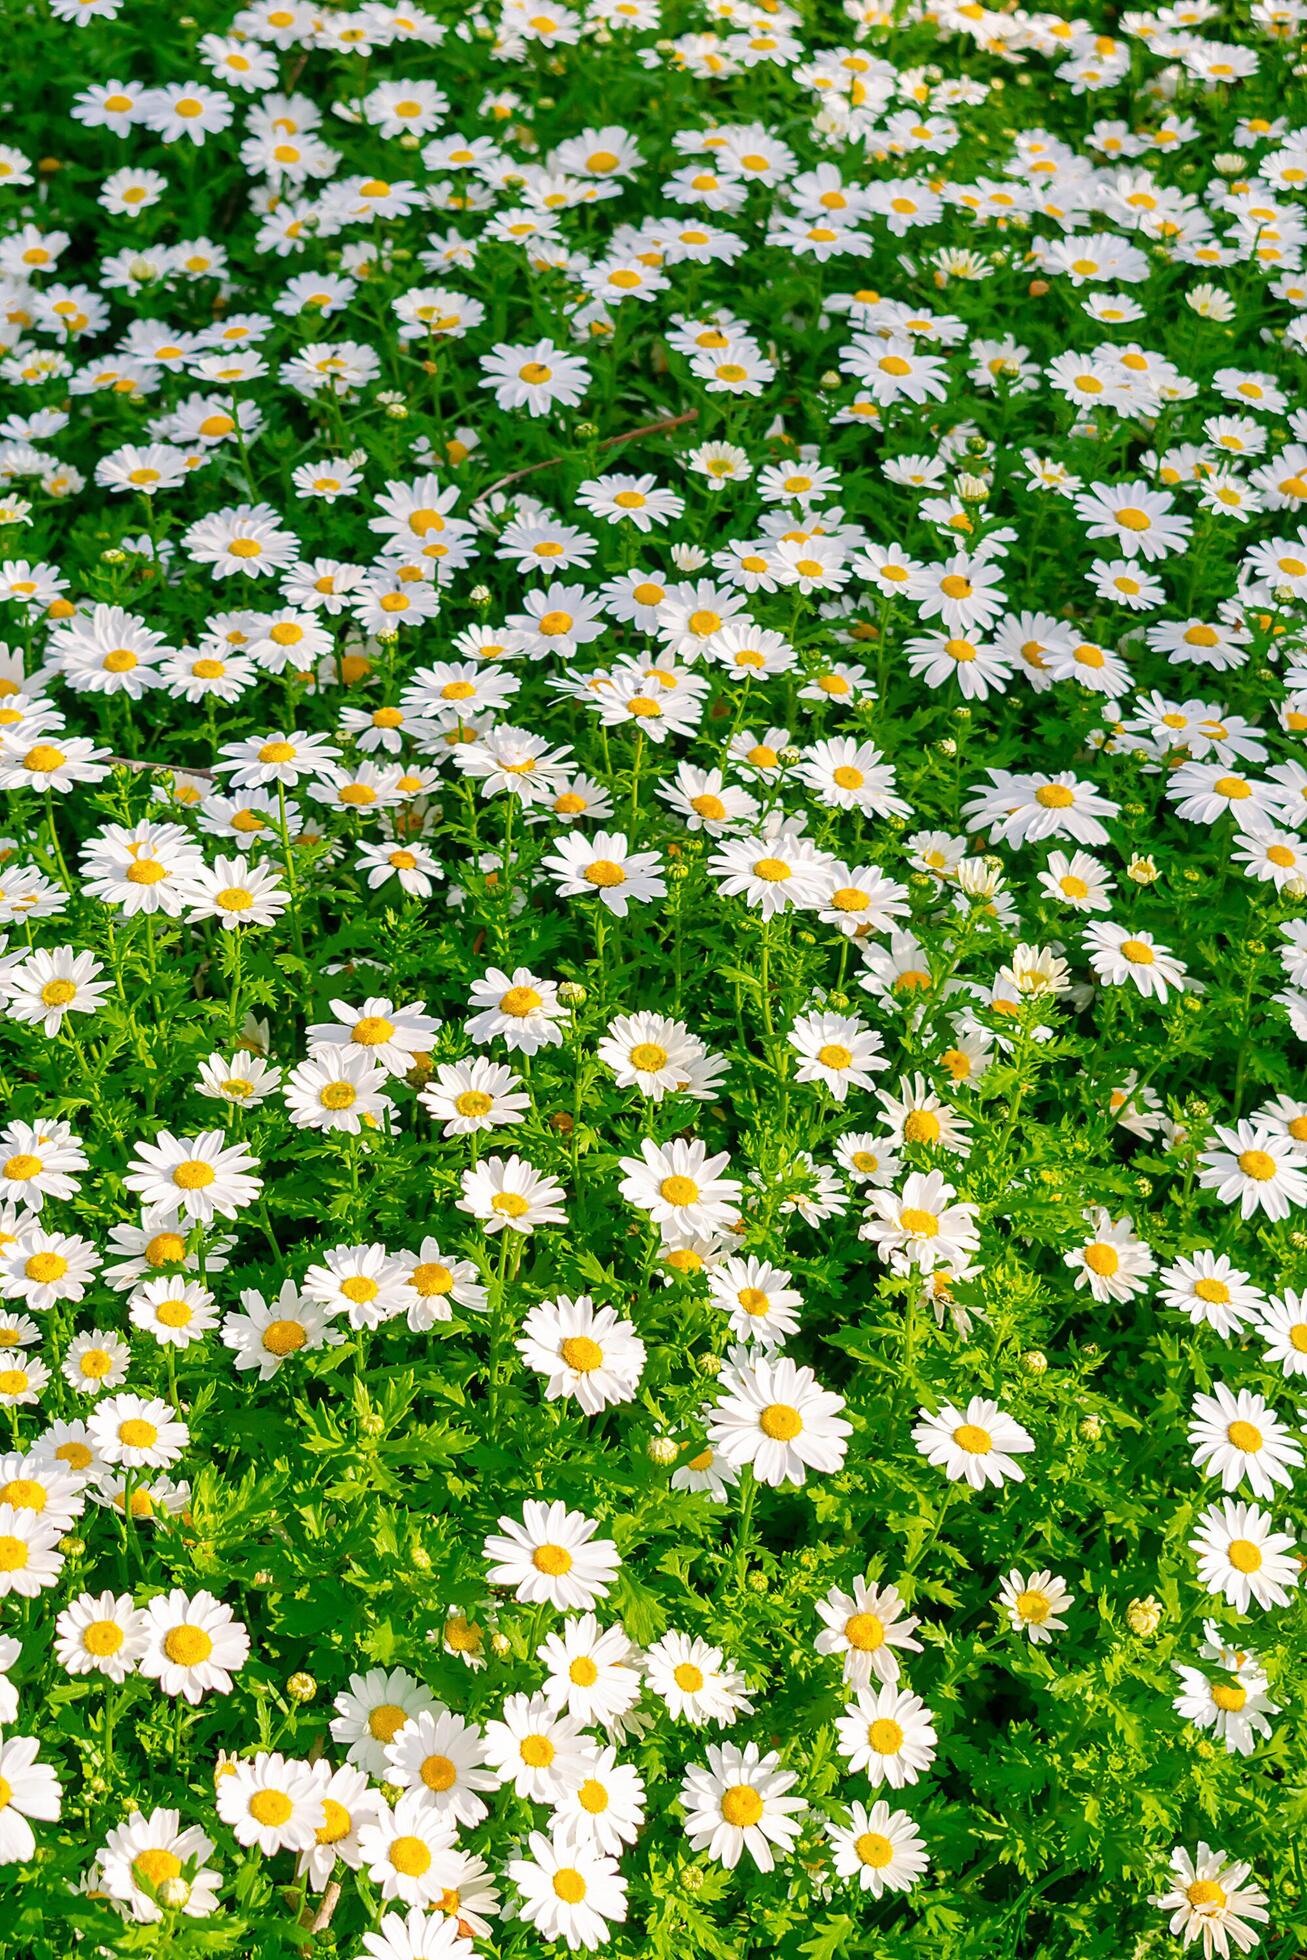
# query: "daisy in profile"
{"points": [[193, 1644], [570, 1890], [881, 1848], [888, 1733], [552, 1555], [507, 1194], [1212, 1901], [868, 1628], [979, 1444], [1243, 1558], [585, 1352], [1033, 1605], [738, 1801], [1238, 1437], [1254, 1168], [694, 1682], [777, 1418]]}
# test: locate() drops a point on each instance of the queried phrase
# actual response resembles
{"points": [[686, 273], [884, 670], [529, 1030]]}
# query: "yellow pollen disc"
{"points": [[555, 1560], [1102, 1259], [582, 1354], [58, 993], [137, 1434], [1258, 1165], [155, 1865], [336, 1822], [1245, 1436], [920, 1224], [519, 1002], [193, 1174], [593, 1797], [874, 1849], [1229, 1695], [781, 1422], [537, 1751], [604, 873], [885, 1736], [1033, 1607], [187, 1646], [410, 1856], [688, 1678], [282, 1337], [679, 1190], [386, 1720], [1138, 952], [974, 1440], [1205, 1892], [1244, 1556], [439, 1773], [865, 1632], [741, 1806]]}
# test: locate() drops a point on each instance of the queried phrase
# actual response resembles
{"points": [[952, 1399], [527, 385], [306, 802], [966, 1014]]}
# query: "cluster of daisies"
{"points": [[653, 977]]}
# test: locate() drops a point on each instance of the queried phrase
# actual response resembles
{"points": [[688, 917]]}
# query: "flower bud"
{"points": [[663, 1450], [301, 1687], [1144, 1616]]}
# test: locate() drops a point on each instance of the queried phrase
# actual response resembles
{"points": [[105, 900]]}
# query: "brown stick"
{"points": [[609, 442]]}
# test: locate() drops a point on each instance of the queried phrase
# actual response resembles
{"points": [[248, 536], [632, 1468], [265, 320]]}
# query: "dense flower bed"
{"points": [[653, 1285]]}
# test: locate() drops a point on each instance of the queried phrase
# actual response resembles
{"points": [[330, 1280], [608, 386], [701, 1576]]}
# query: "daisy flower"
{"points": [[553, 1556], [979, 1444]]}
